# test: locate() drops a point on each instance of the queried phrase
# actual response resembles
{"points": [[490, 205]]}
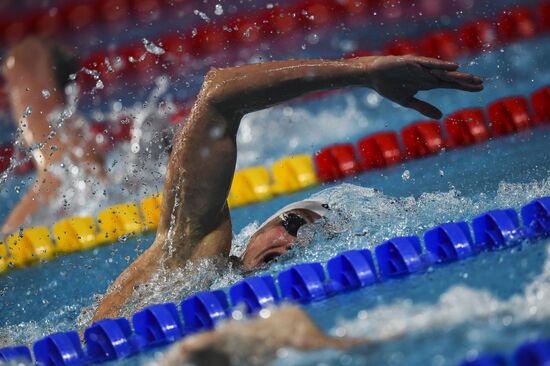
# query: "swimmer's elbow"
{"points": [[212, 88], [217, 93]]}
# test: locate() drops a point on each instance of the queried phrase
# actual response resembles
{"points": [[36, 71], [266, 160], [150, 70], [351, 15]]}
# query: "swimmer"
{"points": [[256, 341], [195, 220], [36, 72]]}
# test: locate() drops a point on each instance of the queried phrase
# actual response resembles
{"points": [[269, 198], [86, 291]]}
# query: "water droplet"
{"points": [[45, 93], [218, 9], [264, 313], [99, 85], [202, 15], [28, 112], [123, 238], [237, 315], [217, 132], [152, 48], [406, 175]]}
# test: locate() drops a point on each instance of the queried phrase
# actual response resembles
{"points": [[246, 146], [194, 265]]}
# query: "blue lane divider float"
{"points": [[111, 339], [497, 228], [352, 269], [303, 283], [487, 360], [449, 242], [536, 217], [535, 353], [156, 325], [16, 354], [255, 293], [203, 310], [59, 349], [399, 257], [530, 353]]}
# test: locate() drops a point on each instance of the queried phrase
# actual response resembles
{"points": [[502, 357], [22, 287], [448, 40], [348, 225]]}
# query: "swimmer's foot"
{"points": [[255, 341]]}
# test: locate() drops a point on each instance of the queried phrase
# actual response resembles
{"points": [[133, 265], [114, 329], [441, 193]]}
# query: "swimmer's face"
{"points": [[276, 237]]}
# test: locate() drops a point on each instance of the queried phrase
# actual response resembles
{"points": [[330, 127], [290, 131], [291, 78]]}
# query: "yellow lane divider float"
{"points": [[250, 185]]}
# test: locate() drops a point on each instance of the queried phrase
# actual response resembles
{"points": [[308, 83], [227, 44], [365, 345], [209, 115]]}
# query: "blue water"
{"points": [[488, 303]]}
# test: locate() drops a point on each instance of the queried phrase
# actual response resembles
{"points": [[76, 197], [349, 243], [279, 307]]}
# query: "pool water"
{"points": [[488, 303]]}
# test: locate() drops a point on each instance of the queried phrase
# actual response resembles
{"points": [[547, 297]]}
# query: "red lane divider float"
{"points": [[470, 38], [441, 44], [336, 162], [379, 150], [477, 35], [516, 24], [509, 115], [541, 105], [544, 14], [466, 127], [422, 139]]}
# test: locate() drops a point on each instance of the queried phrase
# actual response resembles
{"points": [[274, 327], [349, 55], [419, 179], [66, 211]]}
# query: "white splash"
{"points": [[152, 48], [460, 304], [202, 15]]}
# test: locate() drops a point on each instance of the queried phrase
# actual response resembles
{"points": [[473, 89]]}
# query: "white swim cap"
{"points": [[319, 208]]}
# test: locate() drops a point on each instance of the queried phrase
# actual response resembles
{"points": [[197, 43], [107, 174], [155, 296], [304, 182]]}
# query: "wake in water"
{"points": [[455, 306]]}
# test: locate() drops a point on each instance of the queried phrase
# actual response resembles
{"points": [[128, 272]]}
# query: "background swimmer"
{"points": [[36, 72], [256, 341], [195, 220]]}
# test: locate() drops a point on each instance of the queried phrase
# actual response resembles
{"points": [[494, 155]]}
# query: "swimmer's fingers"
{"points": [[423, 107], [434, 79], [457, 76], [433, 63], [460, 86]]}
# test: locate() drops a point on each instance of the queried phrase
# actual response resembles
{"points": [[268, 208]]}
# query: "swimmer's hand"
{"points": [[399, 78]]}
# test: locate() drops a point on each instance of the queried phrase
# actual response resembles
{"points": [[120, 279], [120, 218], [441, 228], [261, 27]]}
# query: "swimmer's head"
{"points": [[65, 64], [277, 234], [62, 61]]}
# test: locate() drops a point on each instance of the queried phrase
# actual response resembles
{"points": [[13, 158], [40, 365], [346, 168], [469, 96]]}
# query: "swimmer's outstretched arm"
{"points": [[257, 86], [195, 218]]}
